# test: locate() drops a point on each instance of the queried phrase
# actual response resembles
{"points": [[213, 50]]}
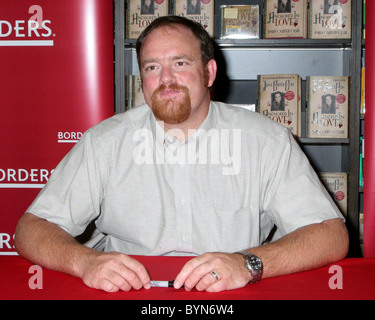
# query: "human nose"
{"points": [[166, 76]]}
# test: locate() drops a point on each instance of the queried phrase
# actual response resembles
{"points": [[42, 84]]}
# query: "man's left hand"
{"points": [[213, 272]]}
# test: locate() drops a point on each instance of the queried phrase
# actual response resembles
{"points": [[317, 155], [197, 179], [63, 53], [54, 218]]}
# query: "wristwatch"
{"points": [[253, 264]]}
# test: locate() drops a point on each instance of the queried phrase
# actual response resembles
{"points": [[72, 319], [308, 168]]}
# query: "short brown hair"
{"points": [[205, 41]]}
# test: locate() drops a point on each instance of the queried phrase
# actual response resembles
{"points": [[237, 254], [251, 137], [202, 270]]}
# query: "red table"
{"points": [[358, 280]]}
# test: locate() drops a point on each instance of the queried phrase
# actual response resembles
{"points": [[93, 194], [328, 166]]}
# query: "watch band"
{"points": [[253, 264]]}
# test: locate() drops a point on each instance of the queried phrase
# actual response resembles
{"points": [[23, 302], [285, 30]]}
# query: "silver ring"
{"points": [[214, 274]]}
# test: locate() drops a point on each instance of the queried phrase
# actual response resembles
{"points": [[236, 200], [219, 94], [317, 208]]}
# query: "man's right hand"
{"points": [[114, 271], [46, 244]]}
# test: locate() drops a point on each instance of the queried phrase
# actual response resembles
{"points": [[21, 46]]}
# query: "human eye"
{"points": [[181, 63], [150, 67]]}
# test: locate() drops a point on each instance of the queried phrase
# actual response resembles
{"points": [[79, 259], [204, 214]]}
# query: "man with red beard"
{"points": [[197, 208], [175, 76]]}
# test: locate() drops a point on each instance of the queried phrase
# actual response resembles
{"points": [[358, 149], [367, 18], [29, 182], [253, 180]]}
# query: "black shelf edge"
{"points": [[130, 42], [284, 43], [275, 43], [323, 141]]}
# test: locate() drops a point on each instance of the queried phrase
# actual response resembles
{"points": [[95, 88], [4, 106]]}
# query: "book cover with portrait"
{"points": [[201, 11], [140, 13], [336, 184], [330, 19], [285, 19], [279, 98], [327, 106], [239, 22]]}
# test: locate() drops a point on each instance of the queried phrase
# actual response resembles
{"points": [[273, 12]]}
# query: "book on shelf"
{"points": [[361, 160], [364, 20], [363, 100], [285, 19], [140, 13], [327, 100], [336, 184], [330, 19], [279, 98], [201, 11], [360, 222], [133, 91], [239, 22]]}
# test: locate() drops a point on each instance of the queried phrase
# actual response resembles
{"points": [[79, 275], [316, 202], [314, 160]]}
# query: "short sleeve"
{"points": [[72, 197], [296, 196]]}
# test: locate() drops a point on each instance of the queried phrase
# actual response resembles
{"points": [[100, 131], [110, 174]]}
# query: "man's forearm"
{"points": [[48, 245], [304, 249]]}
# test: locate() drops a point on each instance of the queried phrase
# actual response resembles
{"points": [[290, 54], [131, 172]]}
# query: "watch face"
{"points": [[256, 263]]}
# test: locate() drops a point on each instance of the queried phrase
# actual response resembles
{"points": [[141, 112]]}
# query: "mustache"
{"points": [[172, 86]]}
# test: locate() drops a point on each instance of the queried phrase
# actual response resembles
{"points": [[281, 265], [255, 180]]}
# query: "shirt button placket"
{"points": [[183, 205]]}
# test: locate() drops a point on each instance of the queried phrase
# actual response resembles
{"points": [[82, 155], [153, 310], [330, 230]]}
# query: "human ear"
{"points": [[211, 72]]}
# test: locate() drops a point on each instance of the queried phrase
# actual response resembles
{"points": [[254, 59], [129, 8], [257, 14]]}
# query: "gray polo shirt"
{"points": [[222, 189]]}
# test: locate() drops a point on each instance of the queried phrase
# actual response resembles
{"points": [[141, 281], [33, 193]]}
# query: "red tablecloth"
{"points": [[358, 280]]}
